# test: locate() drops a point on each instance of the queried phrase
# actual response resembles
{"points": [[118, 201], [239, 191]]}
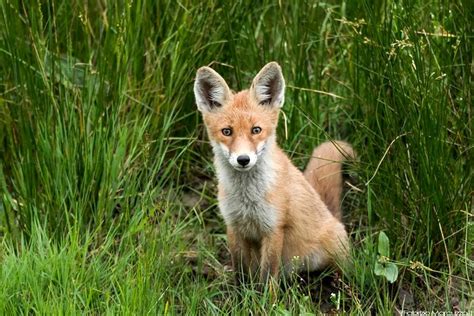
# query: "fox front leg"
{"points": [[271, 255], [244, 255]]}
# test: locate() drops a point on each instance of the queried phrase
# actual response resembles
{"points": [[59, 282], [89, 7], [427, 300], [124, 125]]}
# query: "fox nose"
{"points": [[243, 160]]}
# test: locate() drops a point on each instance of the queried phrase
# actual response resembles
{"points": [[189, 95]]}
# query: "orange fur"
{"points": [[323, 172]]}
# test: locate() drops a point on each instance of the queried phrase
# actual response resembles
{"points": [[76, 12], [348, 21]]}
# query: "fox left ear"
{"points": [[268, 86]]}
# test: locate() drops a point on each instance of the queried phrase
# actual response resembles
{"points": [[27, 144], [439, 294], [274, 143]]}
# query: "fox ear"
{"points": [[210, 90], [268, 87]]}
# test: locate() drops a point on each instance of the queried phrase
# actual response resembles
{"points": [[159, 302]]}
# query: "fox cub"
{"points": [[277, 217]]}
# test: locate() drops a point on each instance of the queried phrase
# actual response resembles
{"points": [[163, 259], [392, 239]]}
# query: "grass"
{"points": [[107, 187]]}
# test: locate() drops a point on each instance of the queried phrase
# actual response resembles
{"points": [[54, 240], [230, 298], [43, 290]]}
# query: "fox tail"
{"points": [[324, 172]]}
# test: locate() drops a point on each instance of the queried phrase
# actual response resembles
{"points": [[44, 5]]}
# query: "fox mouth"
{"points": [[243, 169]]}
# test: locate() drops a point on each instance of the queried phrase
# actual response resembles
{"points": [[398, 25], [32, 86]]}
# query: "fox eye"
{"points": [[227, 131], [256, 130]]}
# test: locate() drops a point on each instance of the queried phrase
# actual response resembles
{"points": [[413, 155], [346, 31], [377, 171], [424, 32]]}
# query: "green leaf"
{"points": [[389, 270], [379, 269], [384, 245]]}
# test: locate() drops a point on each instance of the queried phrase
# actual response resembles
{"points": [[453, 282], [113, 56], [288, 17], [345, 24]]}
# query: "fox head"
{"points": [[240, 126]]}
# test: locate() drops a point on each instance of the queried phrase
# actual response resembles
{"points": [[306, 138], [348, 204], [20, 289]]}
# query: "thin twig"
{"points": [[317, 91], [383, 157]]}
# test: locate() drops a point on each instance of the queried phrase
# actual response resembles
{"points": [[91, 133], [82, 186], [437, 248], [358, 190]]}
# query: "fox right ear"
{"points": [[210, 90]]}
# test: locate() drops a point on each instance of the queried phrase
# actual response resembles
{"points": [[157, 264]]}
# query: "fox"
{"points": [[278, 219]]}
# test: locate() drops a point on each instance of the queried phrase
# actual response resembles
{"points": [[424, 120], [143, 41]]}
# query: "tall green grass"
{"points": [[107, 188]]}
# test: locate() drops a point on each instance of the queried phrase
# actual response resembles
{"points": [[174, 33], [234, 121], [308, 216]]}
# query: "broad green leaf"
{"points": [[391, 272], [379, 269], [388, 270], [384, 245]]}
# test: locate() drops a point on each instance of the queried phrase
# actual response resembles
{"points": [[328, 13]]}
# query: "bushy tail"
{"points": [[324, 172]]}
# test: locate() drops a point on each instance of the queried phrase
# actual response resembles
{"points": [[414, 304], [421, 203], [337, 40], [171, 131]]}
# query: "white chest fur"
{"points": [[244, 205]]}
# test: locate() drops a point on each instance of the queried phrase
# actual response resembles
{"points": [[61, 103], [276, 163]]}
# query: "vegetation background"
{"points": [[106, 182]]}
